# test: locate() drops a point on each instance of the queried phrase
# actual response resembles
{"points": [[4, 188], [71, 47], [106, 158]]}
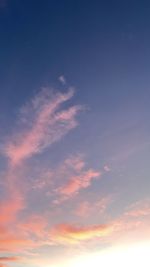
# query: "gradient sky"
{"points": [[74, 135]]}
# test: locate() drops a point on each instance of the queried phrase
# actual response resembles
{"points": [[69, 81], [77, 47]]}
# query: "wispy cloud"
{"points": [[139, 209], [10, 241], [3, 259], [67, 179], [34, 225], [78, 182], [106, 168], [73, 234], [75, 162], [62, 79], [9, 210], [77, 176], [98, 207], [43, 123]]}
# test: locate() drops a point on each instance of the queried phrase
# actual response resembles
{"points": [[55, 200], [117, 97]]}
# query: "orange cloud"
{"points": [[12, 242], [73, 234], [14, 200], [35, 225], [42, 125], [2, 259]]}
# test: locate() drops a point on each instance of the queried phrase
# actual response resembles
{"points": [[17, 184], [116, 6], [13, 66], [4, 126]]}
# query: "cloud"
{"points": [[132, 225], [83, 209], [66, 179], [3, 259], [10, 242], [9, 209], [34, 225], [42, 124], [86, 208], [78, 182], [74, 234], [62, 79], [107, 168]]}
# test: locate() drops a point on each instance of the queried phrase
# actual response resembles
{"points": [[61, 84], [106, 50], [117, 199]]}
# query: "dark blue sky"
{"points": [[99, 46], [102, 48]]}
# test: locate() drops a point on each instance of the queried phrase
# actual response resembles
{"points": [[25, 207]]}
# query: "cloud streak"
{"points": [[76, 183], [87, 208], [43, 123], [74, 234], [3, 259]]}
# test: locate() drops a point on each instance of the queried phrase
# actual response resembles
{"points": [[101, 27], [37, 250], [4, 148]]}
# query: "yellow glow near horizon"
{"points": [[132, 255]]}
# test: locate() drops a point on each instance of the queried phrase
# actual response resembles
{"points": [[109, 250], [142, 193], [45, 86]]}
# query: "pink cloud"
{"points": [[14, 200], [78, 182], [75, 163], [42, 124], [10, 241], [107, 168], [83, 209], [34, 225], [139, 209], [86, 208], [132, 225], [9, 210]]}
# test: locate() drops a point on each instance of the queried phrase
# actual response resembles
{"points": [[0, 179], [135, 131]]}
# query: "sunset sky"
{"points": [[74, 133]]}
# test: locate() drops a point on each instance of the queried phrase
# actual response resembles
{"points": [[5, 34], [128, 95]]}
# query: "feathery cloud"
{"points": [[74, 234], [3, 259], [86, 208], [78, 182], [62, 79], [43, 123], [139, 209]]}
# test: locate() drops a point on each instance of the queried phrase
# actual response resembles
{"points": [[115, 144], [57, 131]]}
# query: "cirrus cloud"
{"points": [[42, 124], [74, 234]]}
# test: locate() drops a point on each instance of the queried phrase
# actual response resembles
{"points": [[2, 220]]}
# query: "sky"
{"points": [[74, 133]]}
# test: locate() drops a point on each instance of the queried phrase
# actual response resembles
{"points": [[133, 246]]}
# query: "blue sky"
{"points": [[74, 135]]}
